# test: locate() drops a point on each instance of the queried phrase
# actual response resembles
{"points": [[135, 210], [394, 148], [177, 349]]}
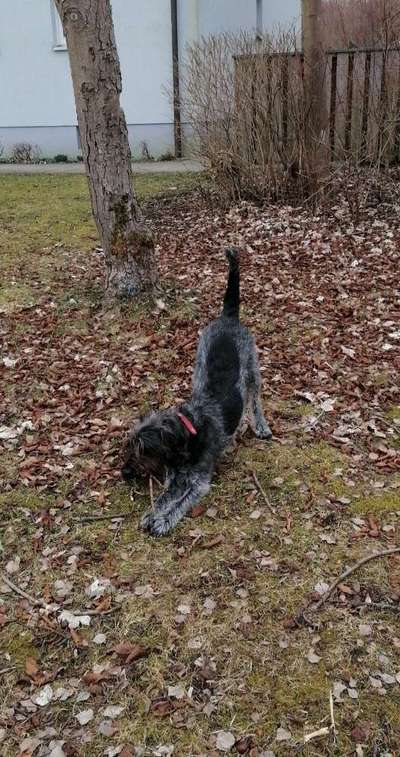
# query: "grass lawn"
{"points": [[194, 641]]}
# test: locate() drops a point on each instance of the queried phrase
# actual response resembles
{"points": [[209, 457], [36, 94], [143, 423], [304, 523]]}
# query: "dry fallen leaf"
{"points": [[130, 651], [225, 741], [177, 692], [31, 667], [283, 735], [44, 696], [85, 716], [112, 711]]}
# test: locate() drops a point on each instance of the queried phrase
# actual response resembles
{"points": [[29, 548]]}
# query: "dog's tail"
{"points": [[232, 294]]}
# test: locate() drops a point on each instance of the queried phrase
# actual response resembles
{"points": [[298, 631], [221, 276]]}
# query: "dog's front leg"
{"points": [[174, 488], [164, 518]]}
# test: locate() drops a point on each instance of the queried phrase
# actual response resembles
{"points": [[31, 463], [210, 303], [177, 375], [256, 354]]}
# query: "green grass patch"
{"points": [[388, 501], [47, 220]]}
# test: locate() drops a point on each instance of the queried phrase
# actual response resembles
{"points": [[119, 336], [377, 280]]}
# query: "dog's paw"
{"points": [[263, 432], [160, 525], [155, 523], [146, 520]]}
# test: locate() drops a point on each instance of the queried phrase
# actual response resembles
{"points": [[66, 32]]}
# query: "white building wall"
{"points": [[36, 88], [281, 13], [37, 103]]}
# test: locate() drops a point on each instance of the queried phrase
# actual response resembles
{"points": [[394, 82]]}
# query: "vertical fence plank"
{"points": [[365, 105], [396, 155], [382, 110], [349, 102], [253, 117], [285, 104], [332, 108]]}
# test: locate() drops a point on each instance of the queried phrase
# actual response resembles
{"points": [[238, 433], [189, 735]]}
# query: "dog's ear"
{"points": [[174, 437]]}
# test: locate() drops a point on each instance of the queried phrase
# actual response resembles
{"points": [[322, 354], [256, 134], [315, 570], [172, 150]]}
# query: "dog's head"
{"points": [[157, 443]]}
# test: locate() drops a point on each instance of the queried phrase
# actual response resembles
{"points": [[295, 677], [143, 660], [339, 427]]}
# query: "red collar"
{"points": [[188, 425]]}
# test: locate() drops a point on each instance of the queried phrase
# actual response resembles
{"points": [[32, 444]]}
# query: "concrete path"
{"points": [[148, 166]]}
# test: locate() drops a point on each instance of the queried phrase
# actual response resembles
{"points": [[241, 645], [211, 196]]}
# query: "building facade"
{"points": [[37, 102]]}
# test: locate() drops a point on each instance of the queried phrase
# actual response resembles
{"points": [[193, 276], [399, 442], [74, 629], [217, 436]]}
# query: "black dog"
{"points": [[184, 443]]}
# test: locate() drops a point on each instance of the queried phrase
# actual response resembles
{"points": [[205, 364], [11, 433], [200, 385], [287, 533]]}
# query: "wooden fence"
{"points": [[362, 98]]}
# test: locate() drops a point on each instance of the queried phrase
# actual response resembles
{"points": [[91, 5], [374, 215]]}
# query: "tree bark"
{"points": [[96, 77], [317, 154]]}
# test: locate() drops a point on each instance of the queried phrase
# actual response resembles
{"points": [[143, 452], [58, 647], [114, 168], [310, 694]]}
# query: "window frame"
{"points": [[59, 41]]}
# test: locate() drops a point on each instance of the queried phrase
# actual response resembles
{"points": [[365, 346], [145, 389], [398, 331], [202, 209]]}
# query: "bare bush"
{"points": [[247, 104], [245, 101], [24, 152]]}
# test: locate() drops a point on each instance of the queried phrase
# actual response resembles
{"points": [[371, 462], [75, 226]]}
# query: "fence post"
{"points": [[317, 119]]}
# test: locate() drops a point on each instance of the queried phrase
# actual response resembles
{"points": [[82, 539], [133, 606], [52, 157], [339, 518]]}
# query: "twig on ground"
{"points": [[45, 606], [375, 556], [381, 606], [316, 734], [94, 518], [262, 492], [7, 670], [333, 724], [22, 593], [151, 492], [117, 608]]}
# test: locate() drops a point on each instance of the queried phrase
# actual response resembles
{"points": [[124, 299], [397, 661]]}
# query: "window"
{"points": [[59, 41], [259, 18]]}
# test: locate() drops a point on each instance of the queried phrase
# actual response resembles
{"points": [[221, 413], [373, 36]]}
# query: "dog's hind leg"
{"points": [[260, 424]]}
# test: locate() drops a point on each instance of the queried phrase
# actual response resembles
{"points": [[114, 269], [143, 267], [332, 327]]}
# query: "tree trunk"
{"points": [[317, 154], [96, 76]]}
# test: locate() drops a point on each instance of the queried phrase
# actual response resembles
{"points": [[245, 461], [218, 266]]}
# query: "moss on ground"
{"points": [[293, 472], [15, 296], [18, 643], [26, 497], [388, 501]]}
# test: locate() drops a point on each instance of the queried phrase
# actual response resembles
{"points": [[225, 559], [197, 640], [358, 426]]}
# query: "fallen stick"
{"points": [[151, 492], [96, 612], [332, 714], [22, 593], [262, 492], [316, 734], [375, 556], [93, 518], [45, 606]]}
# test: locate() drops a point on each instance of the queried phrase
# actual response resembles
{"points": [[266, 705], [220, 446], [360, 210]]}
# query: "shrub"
{"points": [[240, 95], [61, 158], [24, 152], [264, 123]]}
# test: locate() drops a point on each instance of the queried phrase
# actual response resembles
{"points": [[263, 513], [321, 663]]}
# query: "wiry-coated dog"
{"points": [[184, 443]]}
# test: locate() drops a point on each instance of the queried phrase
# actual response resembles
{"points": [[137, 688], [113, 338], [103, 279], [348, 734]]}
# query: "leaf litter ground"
{"points": [[190, 645]]}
